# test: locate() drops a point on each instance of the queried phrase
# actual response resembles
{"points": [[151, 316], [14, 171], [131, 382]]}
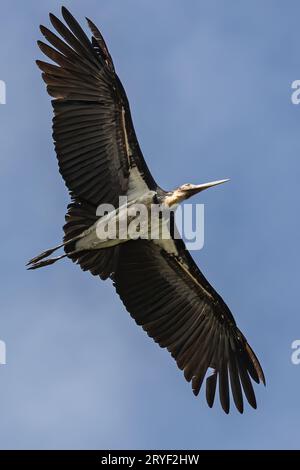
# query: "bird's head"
{"points": [[188, 190]]}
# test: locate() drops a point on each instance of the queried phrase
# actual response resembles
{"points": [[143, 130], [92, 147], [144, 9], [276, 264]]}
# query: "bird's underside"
{"points": [[158, 281]]}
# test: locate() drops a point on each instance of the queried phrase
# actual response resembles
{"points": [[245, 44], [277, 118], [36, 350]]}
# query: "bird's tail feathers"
{"points": [[39, 261], [45, 262], [102, 262], [79, 218]]}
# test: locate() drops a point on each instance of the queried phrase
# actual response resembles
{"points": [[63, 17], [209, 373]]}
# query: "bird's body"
{"points": [[99, 236], [104, 169]]}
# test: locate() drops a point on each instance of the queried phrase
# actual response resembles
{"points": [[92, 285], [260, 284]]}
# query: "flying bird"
{"points": [[158, 281]]}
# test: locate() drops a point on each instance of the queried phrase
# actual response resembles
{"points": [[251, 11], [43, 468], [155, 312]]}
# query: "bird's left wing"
{"points": [[170, 298], [93, 132]]}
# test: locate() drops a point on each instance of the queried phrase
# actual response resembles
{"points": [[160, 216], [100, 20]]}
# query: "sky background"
{"points": [[209, 84]]}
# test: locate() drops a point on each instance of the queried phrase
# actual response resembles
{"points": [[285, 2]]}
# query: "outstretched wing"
{"points": [[171, 299], [93, 132]]}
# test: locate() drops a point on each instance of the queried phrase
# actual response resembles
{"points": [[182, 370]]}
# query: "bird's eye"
{"points": [[155, 199]]}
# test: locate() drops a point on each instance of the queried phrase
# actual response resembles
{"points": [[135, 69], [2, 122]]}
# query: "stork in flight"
{"points": [[159, 283]]}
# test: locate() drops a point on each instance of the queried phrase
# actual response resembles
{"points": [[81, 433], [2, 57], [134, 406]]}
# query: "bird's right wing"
{"points": [[171, 299], [94, 136]]}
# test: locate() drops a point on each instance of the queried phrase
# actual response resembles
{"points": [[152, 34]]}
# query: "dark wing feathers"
{"points": [[187, 317], [93, 131], [96, 147], [101, 263], [211, 384], [100, 45]]}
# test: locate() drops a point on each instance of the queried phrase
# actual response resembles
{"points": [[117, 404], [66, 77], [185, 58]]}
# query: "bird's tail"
{"points": [[102, 262], [39, 261], [79, 218]]}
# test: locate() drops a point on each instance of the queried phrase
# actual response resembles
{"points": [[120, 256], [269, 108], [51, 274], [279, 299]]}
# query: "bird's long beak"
{"points": [[201, 187]]}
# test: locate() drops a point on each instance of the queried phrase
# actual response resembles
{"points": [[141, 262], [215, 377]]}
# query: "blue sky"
{"points": [[209, 84]]}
